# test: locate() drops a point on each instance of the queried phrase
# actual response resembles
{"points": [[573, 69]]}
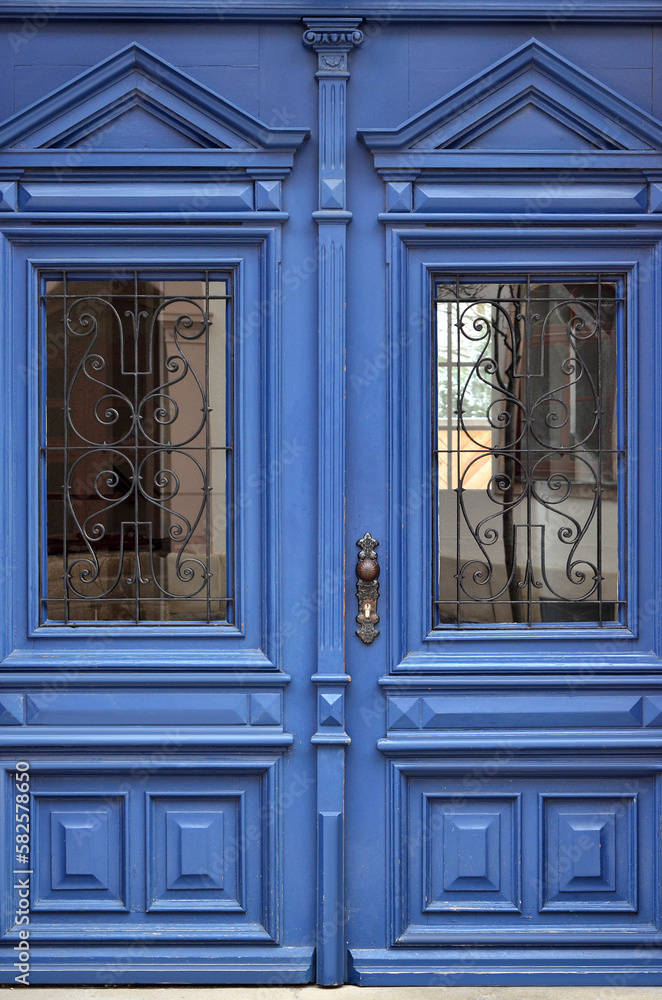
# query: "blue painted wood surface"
{"points": [[198, 811]]}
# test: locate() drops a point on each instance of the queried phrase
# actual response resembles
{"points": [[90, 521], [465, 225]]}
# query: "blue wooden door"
{"points": [[502, 816], [330, 475], [158, 781]]}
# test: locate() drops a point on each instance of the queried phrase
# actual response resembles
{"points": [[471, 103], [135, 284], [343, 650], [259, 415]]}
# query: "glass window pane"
{"points": [[529, 451], [137, 448]]}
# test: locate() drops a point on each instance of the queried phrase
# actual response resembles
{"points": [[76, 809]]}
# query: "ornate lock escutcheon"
{"points": [[367, 589]]}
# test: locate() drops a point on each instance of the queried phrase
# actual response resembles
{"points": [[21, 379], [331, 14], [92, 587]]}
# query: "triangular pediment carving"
{"points": [[533, 99], [529, 127], [139, 127], [135, 99]]}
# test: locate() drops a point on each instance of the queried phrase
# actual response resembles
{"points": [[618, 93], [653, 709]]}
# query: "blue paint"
{"points": [[490, 731], [427, 10], [220, 804], [332, 40], [557, 96]]}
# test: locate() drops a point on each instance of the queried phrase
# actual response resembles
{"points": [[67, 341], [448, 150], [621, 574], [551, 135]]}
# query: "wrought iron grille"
{"points": [[136, 450], [529, 451]]}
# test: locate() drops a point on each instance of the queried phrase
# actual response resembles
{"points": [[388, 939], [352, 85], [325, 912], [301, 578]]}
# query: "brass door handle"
{"points": [[367, 589]]}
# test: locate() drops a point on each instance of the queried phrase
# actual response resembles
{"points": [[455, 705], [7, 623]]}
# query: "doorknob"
{"points": [[367, 589]]}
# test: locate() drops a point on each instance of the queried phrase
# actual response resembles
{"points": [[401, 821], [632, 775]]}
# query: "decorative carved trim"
{"points": [[331, 709], [534, 73], [440, 711], [477, 11], [332, 39], [134, 76]]}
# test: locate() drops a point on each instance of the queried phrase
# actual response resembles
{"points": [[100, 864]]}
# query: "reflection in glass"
{"points": [[136, 448], [529, 451]]}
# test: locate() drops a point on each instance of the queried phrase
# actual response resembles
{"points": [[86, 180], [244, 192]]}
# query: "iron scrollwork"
{"points": [[129, 425], [528, 443], [367, 589]]}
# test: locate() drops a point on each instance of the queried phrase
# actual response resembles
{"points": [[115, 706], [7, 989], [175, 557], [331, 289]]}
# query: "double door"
{"points": [[331, 650]]}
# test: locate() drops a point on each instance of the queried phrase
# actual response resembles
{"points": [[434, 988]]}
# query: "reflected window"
{"points": [[529, 451], [136, 450]]}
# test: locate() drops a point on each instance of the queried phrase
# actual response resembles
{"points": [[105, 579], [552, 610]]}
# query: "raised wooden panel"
{"points": [[653, 711], [266, 708], [198, 853], [552, 710], [331, 708], [514, 852], [502, 196], [588, 853], [79, 196], [404, 713], [12, 709], [211, 852], [471, 855], [163, 708], [180, 849], [79, 861]]}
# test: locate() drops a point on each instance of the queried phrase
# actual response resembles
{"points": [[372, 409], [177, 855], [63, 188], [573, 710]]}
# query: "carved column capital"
{"points": [[332, 38]]}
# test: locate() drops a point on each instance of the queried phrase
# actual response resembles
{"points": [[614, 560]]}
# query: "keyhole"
{"points": [[366, 609]]}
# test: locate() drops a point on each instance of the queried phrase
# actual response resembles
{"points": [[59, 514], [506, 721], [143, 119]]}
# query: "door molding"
{"points": [[413, 255], [332, 39], [619, 11]]}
